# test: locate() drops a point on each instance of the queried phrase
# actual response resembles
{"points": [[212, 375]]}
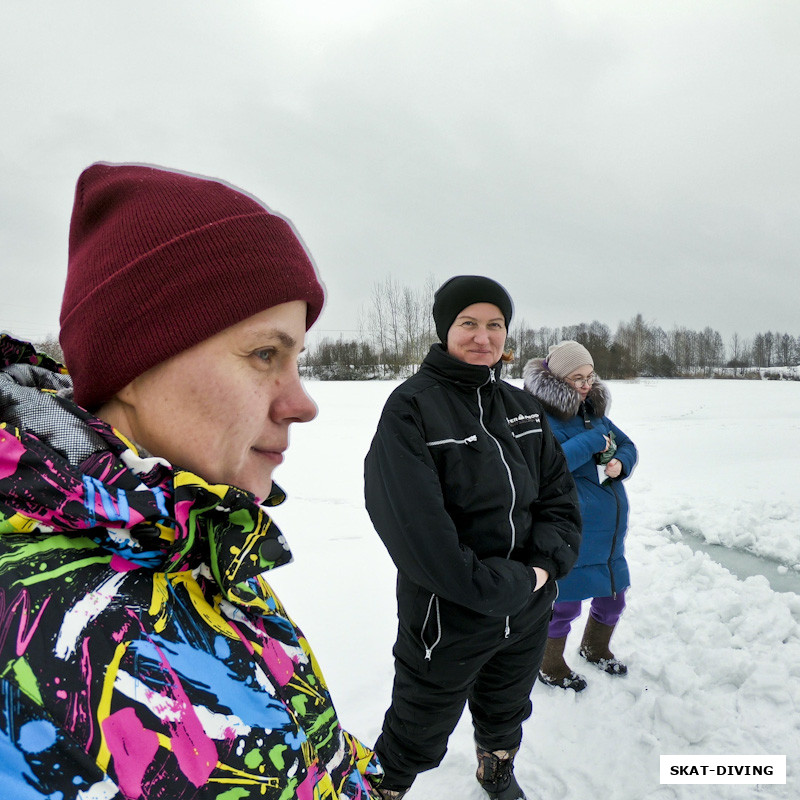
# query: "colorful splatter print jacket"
{"points": [[142, 652]]}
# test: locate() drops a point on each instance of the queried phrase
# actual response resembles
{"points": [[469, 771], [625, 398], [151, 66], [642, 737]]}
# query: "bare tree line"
{"points": [[396, 331], [638, 348]]}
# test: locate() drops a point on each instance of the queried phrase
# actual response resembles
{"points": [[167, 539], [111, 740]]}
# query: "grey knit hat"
{"points": [[567, 356]]}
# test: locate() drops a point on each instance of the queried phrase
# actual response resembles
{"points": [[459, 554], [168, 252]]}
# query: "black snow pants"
{"points": [[474, 662]]}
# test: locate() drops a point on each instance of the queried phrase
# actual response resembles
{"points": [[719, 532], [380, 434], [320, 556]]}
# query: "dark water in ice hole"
{"points": [[740, 562]]}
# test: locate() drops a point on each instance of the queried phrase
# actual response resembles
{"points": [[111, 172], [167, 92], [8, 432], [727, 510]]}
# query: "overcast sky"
{"points": [[599, 158]]}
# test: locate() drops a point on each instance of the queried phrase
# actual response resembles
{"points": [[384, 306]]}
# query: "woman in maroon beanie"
{"points": [[144, 654]]}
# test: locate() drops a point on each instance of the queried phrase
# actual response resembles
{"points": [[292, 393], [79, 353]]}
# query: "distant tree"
{"points": [[741, 355], [663, 366], [544, 338], [399, 322], [682, 348], [736, 350], [642, 344], [521, 341], [747, 354], [384, 322], [341, 360], [618, 362], [633, 338], [418, 330], [596, 338], [428, 292], [785, 350], [769, 348], [710, 350], [758, 352]]}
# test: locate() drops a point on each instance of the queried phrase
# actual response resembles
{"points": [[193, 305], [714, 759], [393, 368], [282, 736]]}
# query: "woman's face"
{"points": [[478, 335], [222, 409], [582, 379]]}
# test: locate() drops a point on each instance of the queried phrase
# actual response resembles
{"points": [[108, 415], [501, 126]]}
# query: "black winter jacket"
{"points": [[468, 489]]}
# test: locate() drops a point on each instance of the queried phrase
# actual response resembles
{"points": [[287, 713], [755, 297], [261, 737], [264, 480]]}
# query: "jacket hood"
{"points": [[558, 397]]}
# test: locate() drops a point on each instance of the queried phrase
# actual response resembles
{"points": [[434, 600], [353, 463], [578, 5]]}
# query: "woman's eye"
{"points": [[264, 355]]}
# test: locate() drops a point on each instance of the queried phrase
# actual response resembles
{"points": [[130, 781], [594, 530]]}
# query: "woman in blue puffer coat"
{"points": [[600, 457]]}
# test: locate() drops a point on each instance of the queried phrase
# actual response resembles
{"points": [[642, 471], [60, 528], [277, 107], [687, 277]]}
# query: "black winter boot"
{"points": [[496, 774], [594, 647], [555, 671]]}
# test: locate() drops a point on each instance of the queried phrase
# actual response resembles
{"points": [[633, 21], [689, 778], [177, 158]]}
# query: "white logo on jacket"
{"points": [[523, 418]]}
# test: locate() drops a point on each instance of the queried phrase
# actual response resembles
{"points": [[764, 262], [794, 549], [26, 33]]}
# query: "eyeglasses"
{"points": [[579, 383]]}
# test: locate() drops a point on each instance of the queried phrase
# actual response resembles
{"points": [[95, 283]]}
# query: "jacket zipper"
{"points": [[510, 482], [429, 650], [613, 543]]}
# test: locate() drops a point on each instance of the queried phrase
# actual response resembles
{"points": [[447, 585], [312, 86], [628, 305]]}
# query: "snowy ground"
{"points": [[714, 660]]}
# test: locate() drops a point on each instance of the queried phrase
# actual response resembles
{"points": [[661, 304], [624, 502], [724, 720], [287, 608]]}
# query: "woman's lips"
{"points": [[274, 456]]}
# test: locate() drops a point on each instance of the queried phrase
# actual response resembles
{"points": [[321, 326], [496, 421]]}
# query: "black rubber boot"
{"points": [[594, 647], [555, 671], [496, 774]]}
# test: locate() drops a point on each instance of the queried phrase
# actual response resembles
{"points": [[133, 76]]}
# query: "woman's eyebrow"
{"points": [[268, 337]]}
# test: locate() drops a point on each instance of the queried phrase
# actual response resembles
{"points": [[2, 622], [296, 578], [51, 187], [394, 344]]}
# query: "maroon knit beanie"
{"points": [[158, 262]]}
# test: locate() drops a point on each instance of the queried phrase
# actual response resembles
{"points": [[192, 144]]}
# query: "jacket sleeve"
{"points": [[556, 512], [581, 448], [626, 450], [405, 502]]}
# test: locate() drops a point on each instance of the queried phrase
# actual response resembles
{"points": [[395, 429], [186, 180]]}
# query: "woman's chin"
{"points": [[260, 486]]}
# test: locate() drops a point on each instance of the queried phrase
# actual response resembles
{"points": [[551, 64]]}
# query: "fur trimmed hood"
{"points": [[558, 397]]}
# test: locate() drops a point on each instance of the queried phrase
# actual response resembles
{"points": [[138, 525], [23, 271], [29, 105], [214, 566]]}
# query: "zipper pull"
{"points": [[428, 652]]}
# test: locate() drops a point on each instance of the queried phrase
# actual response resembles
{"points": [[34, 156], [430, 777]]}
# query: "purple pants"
{"points": [[607, 610]]}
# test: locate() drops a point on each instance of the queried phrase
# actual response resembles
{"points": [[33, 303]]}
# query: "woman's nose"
{"points": [[292, 404]]}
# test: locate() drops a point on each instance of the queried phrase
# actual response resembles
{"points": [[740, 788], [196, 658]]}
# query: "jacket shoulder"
{"points": [[521, 397], [414, 387]]}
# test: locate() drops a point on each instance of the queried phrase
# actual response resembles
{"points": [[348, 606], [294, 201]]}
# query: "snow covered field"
{"points": [[714, 660]]}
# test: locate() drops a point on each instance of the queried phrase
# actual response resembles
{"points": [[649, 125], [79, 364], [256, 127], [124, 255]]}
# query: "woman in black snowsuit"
{"points": [[471, 495]]}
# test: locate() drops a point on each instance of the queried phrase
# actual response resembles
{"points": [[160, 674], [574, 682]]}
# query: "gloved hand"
{"points": [[609, 452]]}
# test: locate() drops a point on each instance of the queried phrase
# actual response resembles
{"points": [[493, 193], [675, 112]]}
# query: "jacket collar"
{"points": [[452, 370]]}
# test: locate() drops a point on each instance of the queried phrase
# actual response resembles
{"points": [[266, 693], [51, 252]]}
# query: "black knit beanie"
{"points": [[455, 294]]}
